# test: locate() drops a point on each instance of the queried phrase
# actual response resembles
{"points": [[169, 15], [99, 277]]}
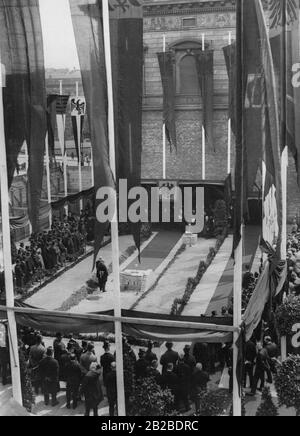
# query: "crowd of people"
{"points": [[293, 260], [261, 358], [90, 378], [48, 251]]}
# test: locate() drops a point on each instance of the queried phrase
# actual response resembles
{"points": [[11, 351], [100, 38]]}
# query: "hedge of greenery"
{"points": [[180, 303], [288, 314], [287, 383]]}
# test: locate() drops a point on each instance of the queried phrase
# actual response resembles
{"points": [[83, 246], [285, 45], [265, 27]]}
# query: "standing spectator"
{"points": [[36, 355], [111, 387], [273, 353], [169, 356], [106, 360], [102, 275], [188, 358], [262, 366], [153, 372], [91, 388], [184, 373], [169, 380], [200, 379], [141, 366], [149, 355], [250, 357], [59, 347], [73, 379], [4, 363], [49, 370], [87, 359]]}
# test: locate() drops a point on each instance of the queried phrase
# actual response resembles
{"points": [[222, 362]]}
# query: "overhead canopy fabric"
{"points": [[67, 323]]}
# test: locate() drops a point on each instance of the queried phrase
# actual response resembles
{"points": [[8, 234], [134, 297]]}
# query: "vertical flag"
{"points": [[61, 111], [230, 59], [127, 59], [88, 28], [78, 110], [25, 92], [166, 62], [285, 44], [51, 122], [126, 24], [205, 68]]}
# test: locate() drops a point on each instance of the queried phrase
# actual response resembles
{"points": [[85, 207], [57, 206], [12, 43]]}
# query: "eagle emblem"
{"points": [[277, 8], [78, 106], [124, 5]]}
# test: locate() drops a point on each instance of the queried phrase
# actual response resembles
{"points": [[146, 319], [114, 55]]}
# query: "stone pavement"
{"points": [[173, 283], [52, 296], [204, 292], [103, 302]]}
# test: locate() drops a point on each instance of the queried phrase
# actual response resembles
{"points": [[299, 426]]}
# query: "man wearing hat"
{"points": [[49, 371], [149, 355], [170, 356], [188, 358], [141, 366], [102, 274], [106, 360]]}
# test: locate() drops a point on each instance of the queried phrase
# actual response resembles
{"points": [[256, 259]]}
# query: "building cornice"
{"points": [[186, 8], [153, 8]]}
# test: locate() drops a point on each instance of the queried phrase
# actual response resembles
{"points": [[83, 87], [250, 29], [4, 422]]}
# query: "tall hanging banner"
{"points": [[88, 28], [25, 92], [285, 44], [127, 60], [51, 122], [78, 111], [126, 24], [166, 62], [205, 68], [61, 112], [230, 59]]}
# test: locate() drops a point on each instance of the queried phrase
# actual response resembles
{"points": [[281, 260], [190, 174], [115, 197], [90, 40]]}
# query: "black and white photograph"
{"points": [[149, 211]]}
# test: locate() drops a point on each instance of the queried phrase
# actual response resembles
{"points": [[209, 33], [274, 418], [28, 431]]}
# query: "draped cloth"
{"points": [[205, 69], [88, 29], [166, 62], [268, 286], [139, 330], [24, 97], [230, 59]]}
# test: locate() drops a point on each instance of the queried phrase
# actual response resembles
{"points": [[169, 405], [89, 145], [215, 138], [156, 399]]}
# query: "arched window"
{"points": [[188, 82]]}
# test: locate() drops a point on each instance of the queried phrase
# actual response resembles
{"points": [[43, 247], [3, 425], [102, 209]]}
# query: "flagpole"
{"points": [[8, 275], [64, 153], [114, 223], [48, 179], [26, 170], [229, 126], [79, 147], [238, 254], [164, 129], [284, 155], [203, 129]]}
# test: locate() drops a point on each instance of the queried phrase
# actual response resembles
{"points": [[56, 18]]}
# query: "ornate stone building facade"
{"points": [[183, 23]]}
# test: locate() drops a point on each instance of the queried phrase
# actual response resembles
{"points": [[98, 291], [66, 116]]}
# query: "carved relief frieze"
{"points": [[169, 23]]}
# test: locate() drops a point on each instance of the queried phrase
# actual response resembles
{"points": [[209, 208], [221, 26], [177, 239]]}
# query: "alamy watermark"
{"points": [[140, 205]]}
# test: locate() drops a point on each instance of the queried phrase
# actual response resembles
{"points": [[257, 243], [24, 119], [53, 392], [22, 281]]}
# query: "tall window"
{"points": [[188, 82]]}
